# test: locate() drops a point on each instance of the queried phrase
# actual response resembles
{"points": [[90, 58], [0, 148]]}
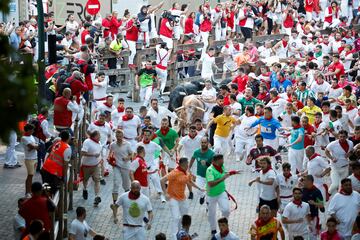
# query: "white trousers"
{"points": [[221, 144], [155, 179], [201, 183], [177, 32], [334, 23], [134, 233], [145, 191], [10, 155], [296, 158], [274, 143], [144, 37], [177, 209], [205, 39], [224, 206], [145, 94], [336, 175], [162, 76], [241, 145], [132, 48], [123, 174], [169, 42], [168, 161]]}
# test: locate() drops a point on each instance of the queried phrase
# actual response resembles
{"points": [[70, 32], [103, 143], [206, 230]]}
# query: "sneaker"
{"points": [[9, 166], [162, 197], [191, 195], [85, 194], [97, 200], [202, 200], [18, 164], [102, 182]]}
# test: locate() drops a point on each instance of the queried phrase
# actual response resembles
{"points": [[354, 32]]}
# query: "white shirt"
{"points": [[267, 192], [142, 204], [116, 116], [105, 132], [190, 145], [352, 115], [338, 153], [286, 187], [286, 119], [209, 93], [337, 127], [315, 167], [150, 150], [323, 139], [278, 106], [102, 108], [230, 236], [156, 117], [324, 87], [45, 128], [99, 92], [30, 154], [130, 127], [80, 230], [264, 52], [346, 209], [293, 212], [91, 147], [162, 56], [207, 64], [120, 152], [241, 133], [18, 223], [72, 27], [235, 107], [355, 183], [344, 121]]}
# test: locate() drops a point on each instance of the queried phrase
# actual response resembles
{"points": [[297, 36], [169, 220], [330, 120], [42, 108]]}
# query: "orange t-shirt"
{"points": [[177, 183]]}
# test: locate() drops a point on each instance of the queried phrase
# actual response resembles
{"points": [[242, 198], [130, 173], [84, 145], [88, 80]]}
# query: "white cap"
{"points": [[252, 75]]}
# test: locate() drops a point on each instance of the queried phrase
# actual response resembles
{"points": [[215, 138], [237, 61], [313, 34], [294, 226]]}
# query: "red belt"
{"points": [[161, 67]]}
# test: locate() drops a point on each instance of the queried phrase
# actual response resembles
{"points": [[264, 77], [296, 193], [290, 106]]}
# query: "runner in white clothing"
{"points": [[131, 125]]}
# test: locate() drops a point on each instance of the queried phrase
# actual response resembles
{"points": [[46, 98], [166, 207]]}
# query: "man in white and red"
{"points": [[320, 85], [103, 128], [77, 85], [132, 36], [139, 170], [85, 34], [276, 103], [332, 15], [205, 28], [116, 115], [189, 143], [114, 24], [64, 108], [216, 15], [106, 24], [289, 17], [86, 67], [336, 44], [131, 125], [162, 59], [166, 32], [175, 11], [246, 21], [107, 105], [309, 9], [355, 177]]}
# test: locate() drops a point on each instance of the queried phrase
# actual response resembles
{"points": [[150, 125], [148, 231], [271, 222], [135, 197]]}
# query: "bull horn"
{"points": [[200, 109], [182, 93], [179, 108]]}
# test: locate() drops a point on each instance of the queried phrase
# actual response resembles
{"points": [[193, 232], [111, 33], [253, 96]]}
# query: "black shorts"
{"points": [[273, 204]]}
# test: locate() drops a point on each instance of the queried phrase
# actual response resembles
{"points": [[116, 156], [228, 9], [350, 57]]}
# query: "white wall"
{"points": [[133, 6]]}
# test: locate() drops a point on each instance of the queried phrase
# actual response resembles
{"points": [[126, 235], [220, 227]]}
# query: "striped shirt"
{"points": [[303, 96]]}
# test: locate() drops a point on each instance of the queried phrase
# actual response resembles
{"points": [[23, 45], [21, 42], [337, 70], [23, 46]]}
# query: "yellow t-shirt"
{"points": [[310, 112], [115, 46], [224, 124]]}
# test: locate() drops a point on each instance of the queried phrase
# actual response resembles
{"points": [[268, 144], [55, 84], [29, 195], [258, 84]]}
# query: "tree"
{"points": [[17, 85]]}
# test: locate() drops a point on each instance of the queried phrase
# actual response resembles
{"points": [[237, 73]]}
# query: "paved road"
{"points": [[100, 218]]}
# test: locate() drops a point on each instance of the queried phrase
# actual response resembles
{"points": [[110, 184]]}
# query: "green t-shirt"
{"points": [[251, 102], [146, 77], [169, 139], [203, 160], [212, 175]]}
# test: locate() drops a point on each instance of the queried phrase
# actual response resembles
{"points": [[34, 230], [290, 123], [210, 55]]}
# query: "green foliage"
{"points": [[17, 87]]}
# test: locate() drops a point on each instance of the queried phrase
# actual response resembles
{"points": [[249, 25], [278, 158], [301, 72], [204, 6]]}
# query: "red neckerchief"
{"points": [[259, 115], [348, 52], [317, 124], [127, 118], [297, 203], [287, 177], [284, 43], [297, 126], [209, 55], [27, 134], [108, 105], [193, 136], [181, 170], [344, 193], [153, 136], [98, 123], [267, 169], [137, 156], [259, 222], [164, 131], [219, 169], [97, 141], [275, 99], [146, 141], [133, 196], [344, 145], [336, 87], [237, 47], [314, 156], [262, 96], [317, 81], [121, 109], [248, 99], [267, 118], [224, 234], [357, 177], [217, 10], [350, 108]]}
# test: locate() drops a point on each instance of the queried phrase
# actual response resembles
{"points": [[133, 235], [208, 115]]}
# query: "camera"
{"points": [[170, 17]]}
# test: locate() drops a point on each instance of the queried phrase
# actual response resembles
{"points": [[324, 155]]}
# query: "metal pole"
{"points": [[41, 59]]}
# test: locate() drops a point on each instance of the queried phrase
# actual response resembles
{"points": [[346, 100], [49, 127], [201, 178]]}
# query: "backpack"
{"points": [[61, 83]]}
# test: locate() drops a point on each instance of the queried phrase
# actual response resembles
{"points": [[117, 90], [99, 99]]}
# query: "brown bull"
{"points": [[192, 108]]}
